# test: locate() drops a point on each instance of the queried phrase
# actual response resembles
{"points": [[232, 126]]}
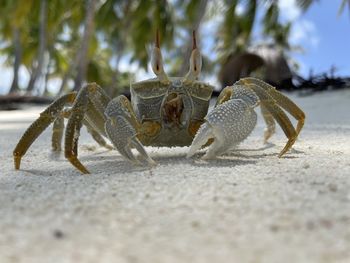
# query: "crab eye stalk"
{"points": [[195, 62], [157, 62]]}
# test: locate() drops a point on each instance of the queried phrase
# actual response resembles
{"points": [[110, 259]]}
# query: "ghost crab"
{"points": [[165, 111]]}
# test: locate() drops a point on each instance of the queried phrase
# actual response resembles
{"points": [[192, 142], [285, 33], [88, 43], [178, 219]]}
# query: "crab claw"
{"points": [[121, 130], [227, 125]]}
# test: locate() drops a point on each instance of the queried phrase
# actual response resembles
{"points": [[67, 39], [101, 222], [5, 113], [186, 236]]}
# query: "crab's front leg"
{"points": [[122, 128]]}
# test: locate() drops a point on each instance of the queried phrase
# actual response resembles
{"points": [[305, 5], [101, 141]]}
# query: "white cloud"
{"points": [[303, 32], [289, 9]]}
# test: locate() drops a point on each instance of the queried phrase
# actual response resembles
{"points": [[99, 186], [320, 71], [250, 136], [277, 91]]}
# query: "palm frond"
{"points": [[305, 4], [343, 5]]}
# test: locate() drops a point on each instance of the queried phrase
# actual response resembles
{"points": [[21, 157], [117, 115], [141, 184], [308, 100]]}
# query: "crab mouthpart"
{"points": [[173, 108]]}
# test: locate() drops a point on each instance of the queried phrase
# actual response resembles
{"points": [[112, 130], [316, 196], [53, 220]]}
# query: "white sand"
{"points": [[247, 207]]}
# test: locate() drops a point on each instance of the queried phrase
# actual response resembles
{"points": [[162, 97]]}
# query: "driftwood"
{"points": [[315, 83], [14, 101], [321, 82]]}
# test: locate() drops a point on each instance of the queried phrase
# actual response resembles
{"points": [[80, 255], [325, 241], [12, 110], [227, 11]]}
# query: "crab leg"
{"points": [[270, 123], [290, 107], [88, 96], [285, 124], [57, 134], [74, 124], [281, 99], [278, 114], [95, 110], [59, 130], [96, 136], [38, 126]]}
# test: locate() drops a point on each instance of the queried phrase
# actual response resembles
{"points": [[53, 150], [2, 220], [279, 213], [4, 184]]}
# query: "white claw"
{"points": [[217, 147], [227, 124], [203, 135]]}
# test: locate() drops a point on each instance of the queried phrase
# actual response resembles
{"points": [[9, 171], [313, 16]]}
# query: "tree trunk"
{"points": [[64, 81], [195, 26], [37, 71], [83, 51], [67, 75], [47, 76], [17, 63], [119, 50]]}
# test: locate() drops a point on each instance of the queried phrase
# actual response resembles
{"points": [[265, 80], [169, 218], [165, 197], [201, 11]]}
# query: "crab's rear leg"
{"points": [[57, 133], [285, 124], [272, 106], [58, 128], [283, 101], [290, 107], [270, 123], [96, 136], [122, 128], [88, 109], [38, 126]]}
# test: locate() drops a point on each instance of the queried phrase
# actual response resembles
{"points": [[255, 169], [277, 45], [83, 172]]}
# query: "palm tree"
{"points": [[17, 60], [305, 4], [343, 5], [82, 53], [13, 30], [40, 28], [239, 58], [234, 39], [39, 63], [195, 11]]}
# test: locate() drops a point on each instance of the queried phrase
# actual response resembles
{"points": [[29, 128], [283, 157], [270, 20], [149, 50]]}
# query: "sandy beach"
{"points": [[250, 206]]}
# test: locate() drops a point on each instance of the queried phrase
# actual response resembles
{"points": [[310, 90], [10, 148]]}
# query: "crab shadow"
{"points": [[109, 162], [96, 167], [240, 153], [96, 163], [181, 159], [222, 162], [266, 146]]}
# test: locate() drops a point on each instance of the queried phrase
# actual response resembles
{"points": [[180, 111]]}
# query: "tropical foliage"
{"points": [[86, 40]]}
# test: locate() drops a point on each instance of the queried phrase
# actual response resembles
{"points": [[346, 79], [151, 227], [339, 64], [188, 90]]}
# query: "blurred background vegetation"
{"points": [[70, 42]]}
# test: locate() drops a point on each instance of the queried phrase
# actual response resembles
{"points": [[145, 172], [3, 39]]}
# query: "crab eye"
{"points": [[195, 62], [157, 62]]}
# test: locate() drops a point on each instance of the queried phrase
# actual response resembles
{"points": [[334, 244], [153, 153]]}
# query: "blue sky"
{"points": [[324, 36]]}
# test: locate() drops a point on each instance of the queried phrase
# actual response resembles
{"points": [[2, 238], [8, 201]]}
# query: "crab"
{"points": [[165, 111]]}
